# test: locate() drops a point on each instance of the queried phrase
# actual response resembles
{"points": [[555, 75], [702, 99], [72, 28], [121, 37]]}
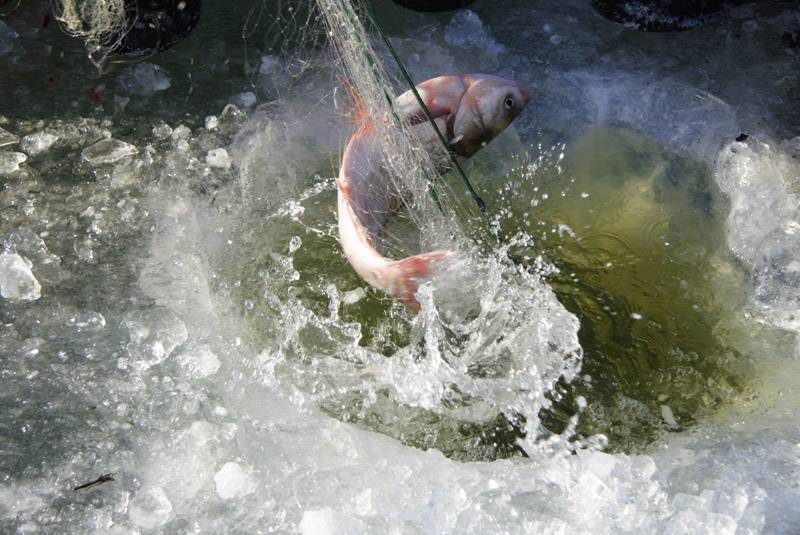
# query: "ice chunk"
{"points": [[179, 283], [468, 32], [16, 278], [7, 138], [107, 151], [9, 162], [763, 223], [154, 336], [776, 279], [601, 464], [218, 158], [27, 243], [199, 361], [353, 296], [668, 416], [232, 480], [143, 79], [8, 42], [37, 143], [150, 508]]}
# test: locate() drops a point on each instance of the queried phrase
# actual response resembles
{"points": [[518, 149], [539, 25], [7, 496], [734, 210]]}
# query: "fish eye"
{"points": [[509, 103]]}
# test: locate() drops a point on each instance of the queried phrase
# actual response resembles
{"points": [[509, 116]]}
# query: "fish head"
{"points": [[487, 107]]}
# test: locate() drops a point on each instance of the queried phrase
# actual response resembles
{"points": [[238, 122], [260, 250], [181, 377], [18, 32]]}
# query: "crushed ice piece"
{"points": [[150, 508], [142, 79], [154, 336], [181, 132], [232, 480], [199, 362], [668, 417], [162, 130], [601, 464], [467, 31], [16, 278], [353, 296], [8, 42], [776, 279], [107, 151], [9, 162], [211, 122], [37, 142], [7, 138], [25, 242], [218, 158]]}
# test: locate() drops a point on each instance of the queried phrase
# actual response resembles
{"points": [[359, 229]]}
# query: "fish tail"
{"points": [[353, 108], [408, 273]]}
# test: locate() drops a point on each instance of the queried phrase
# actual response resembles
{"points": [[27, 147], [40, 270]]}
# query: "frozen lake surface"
{"points": [[177, 312]]}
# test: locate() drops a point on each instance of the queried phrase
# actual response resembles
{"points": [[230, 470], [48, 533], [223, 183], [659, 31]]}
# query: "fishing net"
{"points": [[491, 341], [337, 40], [100, 23]]}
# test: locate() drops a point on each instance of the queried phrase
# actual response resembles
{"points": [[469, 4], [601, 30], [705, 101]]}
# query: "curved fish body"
{"points": [[470, 110]]}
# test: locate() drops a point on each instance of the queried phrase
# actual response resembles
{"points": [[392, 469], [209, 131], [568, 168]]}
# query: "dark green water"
{"points": [[637, 234]]}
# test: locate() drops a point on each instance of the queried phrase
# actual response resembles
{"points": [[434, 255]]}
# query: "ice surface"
{"points": [[9, 162], [16, 279], [107, 151], [142, 79]]}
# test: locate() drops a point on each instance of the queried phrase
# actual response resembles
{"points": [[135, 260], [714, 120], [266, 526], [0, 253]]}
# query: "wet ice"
{"points": [[16, 278]]}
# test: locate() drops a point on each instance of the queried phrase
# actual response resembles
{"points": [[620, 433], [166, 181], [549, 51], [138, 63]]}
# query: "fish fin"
{"points": [[353, 108], [409, 271]]}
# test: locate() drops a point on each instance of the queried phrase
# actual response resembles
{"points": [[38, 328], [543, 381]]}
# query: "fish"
{"points": [[470, 110]]}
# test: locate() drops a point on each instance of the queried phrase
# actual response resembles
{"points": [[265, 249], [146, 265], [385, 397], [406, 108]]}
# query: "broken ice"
{"points": [[143, 79], [7, 138], [37, 143], [154, 336], [9, 162], [107, 151], [218, 158], [150, 508], [232, 480], [16, 279]]}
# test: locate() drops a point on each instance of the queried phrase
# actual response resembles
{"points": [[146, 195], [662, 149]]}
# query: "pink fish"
{"points": [[470, 110]]}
